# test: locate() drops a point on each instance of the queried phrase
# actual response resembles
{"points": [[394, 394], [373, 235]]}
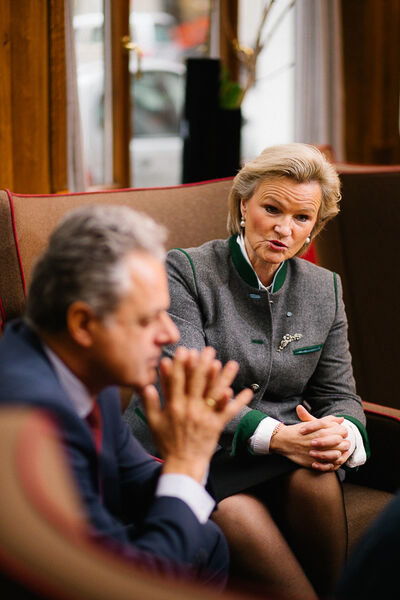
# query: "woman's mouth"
{"points": [[277, 245]]}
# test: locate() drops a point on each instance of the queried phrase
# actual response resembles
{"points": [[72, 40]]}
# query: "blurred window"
{"points": [[166, 36], [88, 23], [268, 107], [157, 104], [167, 32]]}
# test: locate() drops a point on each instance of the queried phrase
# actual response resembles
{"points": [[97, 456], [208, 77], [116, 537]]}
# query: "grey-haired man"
{"points": [[96, 318]]}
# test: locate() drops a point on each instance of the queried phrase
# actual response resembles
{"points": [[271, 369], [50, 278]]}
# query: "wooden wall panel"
{"points": [[6, 145], [30, 106], [32, 96], [120, 94], [371, 34], [57, 96]]}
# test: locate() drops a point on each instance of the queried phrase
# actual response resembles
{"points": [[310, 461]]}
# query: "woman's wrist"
{"points": [[274, 441]]}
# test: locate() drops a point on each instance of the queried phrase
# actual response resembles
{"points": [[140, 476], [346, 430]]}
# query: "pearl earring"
{"points": [[308, 240], [242, 222]]}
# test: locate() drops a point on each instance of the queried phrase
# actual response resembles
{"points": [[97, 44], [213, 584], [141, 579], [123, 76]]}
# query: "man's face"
{"points": [[127, 346]]}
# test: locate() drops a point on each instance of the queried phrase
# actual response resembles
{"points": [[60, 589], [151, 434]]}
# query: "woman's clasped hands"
{"points": [[320, 444]]}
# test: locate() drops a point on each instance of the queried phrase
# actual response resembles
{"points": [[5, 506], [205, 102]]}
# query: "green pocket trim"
{"points": [[308, 349]]}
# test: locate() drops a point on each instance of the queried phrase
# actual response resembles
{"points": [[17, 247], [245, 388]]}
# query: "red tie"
{"points": [[95, 422]]}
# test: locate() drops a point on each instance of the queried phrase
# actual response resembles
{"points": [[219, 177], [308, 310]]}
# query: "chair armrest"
{"points": [[381, 471]]}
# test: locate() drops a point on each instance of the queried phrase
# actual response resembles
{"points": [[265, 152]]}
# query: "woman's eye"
{"points": [[303, 218], [272, 210]]}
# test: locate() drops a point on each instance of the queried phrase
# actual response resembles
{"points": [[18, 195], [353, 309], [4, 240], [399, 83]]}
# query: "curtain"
{"points": [[319, 75], [75, 164]]}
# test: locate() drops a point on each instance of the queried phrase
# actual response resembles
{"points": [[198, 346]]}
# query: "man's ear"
{"points": [[80, 318]]}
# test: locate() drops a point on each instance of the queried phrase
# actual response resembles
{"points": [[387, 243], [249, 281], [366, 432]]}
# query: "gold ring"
{"points": [[211, 402]]}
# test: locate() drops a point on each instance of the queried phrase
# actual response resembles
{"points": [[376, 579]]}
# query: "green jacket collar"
{"points": [[247, 273]]}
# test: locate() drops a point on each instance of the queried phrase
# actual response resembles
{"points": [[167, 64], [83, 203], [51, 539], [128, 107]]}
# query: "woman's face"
{"points": [[279, 217]]}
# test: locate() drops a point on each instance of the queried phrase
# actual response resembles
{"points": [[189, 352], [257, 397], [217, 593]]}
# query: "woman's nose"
{"points": [[283, 228]]}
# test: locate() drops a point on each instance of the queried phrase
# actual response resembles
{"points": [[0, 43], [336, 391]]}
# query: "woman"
{"points": [[283, 320]]}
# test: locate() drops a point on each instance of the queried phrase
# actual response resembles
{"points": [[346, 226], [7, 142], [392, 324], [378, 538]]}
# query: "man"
{"points": [[95, 318]]}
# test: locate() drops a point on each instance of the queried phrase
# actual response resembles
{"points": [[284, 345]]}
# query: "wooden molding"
{"points": [[32, 96], [121, 112], [29, 96], [6, 140], [57, 97], [371, 50]]}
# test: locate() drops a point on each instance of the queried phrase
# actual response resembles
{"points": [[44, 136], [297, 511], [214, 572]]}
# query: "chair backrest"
{"points": [[361, 245], [193, 214], [45, 546]]}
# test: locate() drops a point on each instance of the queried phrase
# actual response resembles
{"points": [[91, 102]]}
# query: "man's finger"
{"points": [[165, 373], [151, 402], [177, 374], [198, 376], [238, 402], [218, 386]]}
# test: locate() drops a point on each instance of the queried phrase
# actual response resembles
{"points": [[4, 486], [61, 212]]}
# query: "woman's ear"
{"points": [[80, 319], [243, 204]]}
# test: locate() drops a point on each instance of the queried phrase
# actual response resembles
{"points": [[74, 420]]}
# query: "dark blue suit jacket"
{"points": [[151, 529]]}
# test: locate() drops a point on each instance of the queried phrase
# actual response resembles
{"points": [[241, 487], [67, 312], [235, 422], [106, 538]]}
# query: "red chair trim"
{"points": [[28, 442], [376, 409], [27, 578], [14, 228], [2, 314], [93, 192]]}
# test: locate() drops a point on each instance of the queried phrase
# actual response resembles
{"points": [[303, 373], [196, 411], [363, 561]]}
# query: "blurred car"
{"points": [[156, 146], [152, 31]]}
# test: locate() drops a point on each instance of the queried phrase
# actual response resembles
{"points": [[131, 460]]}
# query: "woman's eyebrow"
{"points": [[302, 209]]}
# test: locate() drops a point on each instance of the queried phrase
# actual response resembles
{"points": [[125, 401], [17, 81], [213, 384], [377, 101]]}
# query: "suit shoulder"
{"points": [[203, 263], [208, 250], [306, 268]]}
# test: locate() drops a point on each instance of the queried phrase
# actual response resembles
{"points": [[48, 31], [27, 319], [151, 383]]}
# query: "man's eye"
{"points": [[144, 322]]}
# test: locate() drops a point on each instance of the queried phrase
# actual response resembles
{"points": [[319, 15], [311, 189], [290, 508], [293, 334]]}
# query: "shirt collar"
{"points": [[272, 286], [77, 393]]}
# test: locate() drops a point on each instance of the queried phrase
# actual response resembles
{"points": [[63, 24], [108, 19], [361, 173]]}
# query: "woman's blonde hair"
{"points": [[301, 162]]}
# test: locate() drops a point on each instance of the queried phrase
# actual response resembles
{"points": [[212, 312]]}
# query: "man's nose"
{"points": [[169, 333]]}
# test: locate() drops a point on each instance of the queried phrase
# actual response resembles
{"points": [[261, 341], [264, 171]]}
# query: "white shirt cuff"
{"points": [[357, 451], [260, 440], [190, 491]]}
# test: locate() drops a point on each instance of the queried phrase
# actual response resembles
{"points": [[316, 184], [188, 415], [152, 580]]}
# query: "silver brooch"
{"points": [[287, 338]]}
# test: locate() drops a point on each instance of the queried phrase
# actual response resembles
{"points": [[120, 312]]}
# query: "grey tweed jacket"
{"points": [[215, 301]]}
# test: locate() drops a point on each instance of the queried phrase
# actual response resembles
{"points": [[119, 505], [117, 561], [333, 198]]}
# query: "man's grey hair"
{"points": [[86, 260]]}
